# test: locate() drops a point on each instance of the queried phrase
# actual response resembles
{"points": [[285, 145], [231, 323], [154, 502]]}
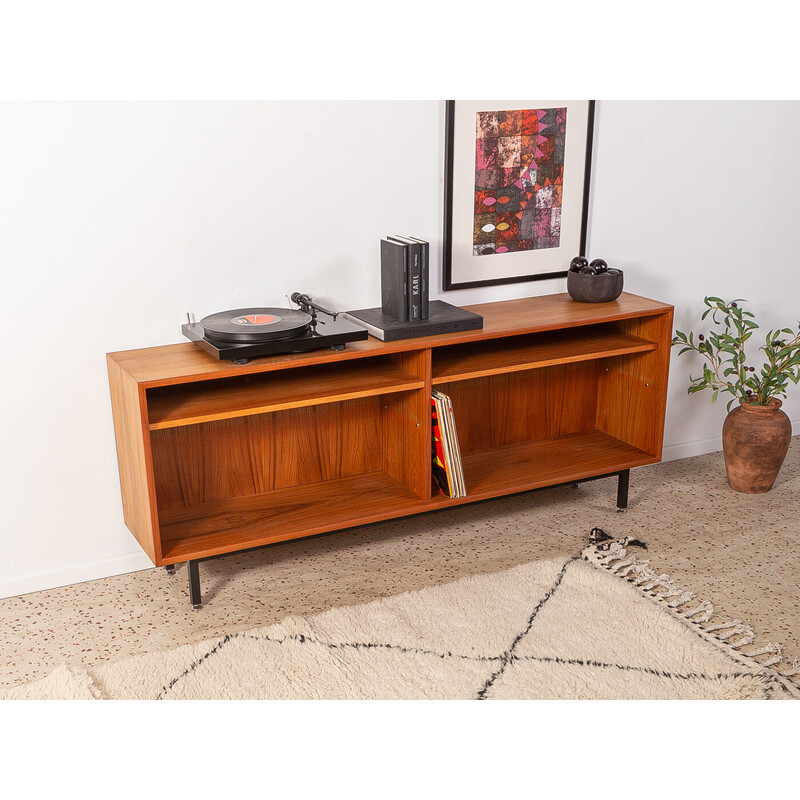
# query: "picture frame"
{"points": [[517, 178]]}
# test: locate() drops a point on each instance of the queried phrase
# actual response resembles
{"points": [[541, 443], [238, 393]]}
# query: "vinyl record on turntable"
{"points": [[255, 324]]}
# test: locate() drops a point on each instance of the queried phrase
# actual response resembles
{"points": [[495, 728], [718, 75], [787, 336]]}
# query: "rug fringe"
{"points": [[794, 670], [612, 555]]}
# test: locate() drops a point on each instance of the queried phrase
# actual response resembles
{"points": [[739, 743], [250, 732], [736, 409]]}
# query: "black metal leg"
{"points": [[170, 568], [194, 584], [622, 491]]}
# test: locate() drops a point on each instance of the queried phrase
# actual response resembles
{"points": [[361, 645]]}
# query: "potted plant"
{"points": [[755, 434]]}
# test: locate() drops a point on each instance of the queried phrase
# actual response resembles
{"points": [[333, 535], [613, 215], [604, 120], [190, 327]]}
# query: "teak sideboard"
{"points": [[216, 458]]}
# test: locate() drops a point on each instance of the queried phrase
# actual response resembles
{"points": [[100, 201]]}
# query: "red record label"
{"points": [[255, 319]]}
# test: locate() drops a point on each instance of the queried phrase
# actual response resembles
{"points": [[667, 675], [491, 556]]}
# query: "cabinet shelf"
{"points": [[213, 528], [242, 522], [531, 465], [192, 403], [516, 353]]}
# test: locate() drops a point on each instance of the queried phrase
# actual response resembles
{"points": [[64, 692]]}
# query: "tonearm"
{"points": [[310, 307]]}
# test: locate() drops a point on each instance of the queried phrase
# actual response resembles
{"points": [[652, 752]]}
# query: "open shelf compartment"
{"points": [[547, 462], [258, 477], [235, 523], [533, 351], [244, 395], [523, 429]]}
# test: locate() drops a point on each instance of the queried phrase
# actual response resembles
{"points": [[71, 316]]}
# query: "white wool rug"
{"points": [[601, 625]]}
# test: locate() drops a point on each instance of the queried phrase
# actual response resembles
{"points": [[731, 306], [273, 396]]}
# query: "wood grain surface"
{"points": [[232, 524], [532, 351], [134, 459], [632, 395], [216, 457], [251, 455], [189, 404], [185, 362]]}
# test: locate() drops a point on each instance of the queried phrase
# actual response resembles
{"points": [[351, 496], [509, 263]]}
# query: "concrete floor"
{"points": [[738, 551]]}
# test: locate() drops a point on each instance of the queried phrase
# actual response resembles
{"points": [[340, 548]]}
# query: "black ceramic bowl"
{"points": [[601, 288]]}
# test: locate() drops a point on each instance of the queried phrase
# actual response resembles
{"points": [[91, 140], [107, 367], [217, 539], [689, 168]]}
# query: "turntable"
{"points": [[246, 333]]}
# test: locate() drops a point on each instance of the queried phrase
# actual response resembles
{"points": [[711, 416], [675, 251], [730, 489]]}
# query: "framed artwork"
{"points": [[516, 189]]}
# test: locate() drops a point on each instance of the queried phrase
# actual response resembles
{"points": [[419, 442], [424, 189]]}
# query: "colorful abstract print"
{"points": [[519, 175]]}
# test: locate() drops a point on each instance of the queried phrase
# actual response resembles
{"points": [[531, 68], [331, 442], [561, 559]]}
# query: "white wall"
{"points": [[694, 199], [117, 218]]}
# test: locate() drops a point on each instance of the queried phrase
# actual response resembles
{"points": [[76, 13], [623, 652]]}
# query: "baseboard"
{"points": [[699, 447], [672, 452], [79, 573]]}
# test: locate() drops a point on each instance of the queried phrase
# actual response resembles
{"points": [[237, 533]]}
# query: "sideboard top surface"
{"points": [[185, 362]]}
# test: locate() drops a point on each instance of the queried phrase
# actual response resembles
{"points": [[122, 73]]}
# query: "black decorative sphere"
{"points": [[599, 265], [578, 263], [588, 270]]}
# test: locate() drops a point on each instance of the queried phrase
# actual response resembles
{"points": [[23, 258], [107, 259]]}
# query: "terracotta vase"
{"points": [[755, 440]]}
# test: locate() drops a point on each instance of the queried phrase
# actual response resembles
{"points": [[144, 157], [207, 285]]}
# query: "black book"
{"points": [[443, 318], [414, 276], [424, 247], [394, 279]]}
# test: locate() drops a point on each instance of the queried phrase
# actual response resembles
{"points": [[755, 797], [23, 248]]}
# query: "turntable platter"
{"points": [[255, 324]]}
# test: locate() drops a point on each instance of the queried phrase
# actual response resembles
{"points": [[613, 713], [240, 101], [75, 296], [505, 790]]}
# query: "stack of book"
{"points": [[406, 310], [448, 472], [404, 278]]}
